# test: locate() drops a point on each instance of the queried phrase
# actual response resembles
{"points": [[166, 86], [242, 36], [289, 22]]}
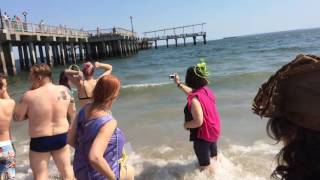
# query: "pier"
{"points": [[59, 45], [189, 31], [112, 42], [54, 45]]}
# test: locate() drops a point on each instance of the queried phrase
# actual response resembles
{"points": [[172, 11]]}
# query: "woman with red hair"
{"points": [[97, 141], [84, 80]]}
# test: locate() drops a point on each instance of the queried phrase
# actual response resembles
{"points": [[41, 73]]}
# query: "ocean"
{"points": [[150, 107]]}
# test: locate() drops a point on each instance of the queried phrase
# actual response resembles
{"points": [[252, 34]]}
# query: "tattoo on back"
{"points": [[62, 96]]}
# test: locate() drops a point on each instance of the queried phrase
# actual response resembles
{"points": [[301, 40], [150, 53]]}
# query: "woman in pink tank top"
{"points": [[201, 115]]}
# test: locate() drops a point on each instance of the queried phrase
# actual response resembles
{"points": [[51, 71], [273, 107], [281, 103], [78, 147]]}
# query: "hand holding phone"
{"points": [[171, 77]]}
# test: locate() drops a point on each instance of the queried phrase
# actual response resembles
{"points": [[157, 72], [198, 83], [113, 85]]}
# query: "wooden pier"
{"points": [[176, 33], [58, 45], [112, 42]]}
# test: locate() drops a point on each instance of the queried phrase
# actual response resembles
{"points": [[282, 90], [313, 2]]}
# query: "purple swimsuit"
{"points": [[86, 133]]}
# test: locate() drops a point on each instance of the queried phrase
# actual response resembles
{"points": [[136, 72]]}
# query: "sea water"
{"points": [[150, 107]]}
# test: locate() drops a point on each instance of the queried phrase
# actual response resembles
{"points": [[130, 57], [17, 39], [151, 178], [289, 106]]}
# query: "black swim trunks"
{"points": [[204, 151], [48, 143]]}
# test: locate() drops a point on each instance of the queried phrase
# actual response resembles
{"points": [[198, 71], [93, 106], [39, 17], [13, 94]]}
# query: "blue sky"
{"points": [[223, 17]]}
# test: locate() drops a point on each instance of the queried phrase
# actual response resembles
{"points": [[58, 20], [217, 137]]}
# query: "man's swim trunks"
{"points": [[48, 143]]}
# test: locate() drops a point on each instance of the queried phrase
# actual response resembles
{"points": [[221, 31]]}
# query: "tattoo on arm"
{"points": [[63, 95]]}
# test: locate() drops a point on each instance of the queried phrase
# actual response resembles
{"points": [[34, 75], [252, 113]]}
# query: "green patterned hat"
{"points": [[202, 68]]}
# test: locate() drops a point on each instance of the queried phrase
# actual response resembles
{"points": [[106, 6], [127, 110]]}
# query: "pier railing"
{"points": [[23, 27], [153, 38], [112, 31], [176, 32]]}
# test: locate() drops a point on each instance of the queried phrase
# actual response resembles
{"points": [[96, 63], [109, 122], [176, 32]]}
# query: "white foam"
{"points": [[144, 85], [258, 146], [234, 163], [256, 164], [165, 149]]}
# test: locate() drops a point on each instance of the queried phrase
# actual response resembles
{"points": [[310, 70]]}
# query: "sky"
{"points": [[223, 18]]}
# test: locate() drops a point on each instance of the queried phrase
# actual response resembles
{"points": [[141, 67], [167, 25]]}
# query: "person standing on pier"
{"points": [[46, 106], [85, 86], [8, 162]]}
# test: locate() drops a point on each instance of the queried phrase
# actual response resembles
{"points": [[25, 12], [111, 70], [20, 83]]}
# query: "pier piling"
{"points": [[26, 57], [3, 61], [32, 53], [48, 54], [20, 52]]}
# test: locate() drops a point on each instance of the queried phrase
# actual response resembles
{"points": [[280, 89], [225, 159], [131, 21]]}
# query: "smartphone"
{"points": [[171, 77]]}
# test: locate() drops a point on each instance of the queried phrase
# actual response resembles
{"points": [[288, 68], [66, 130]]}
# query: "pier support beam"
{"points": [[21, 60], [176, 40], [73, 54], [88, 51], [26, 57], [133, 47], [194, 40], [204, 39], [184, 41], [94, 51], [9, 58], [32, 53], [155, 44], [66, 54], [55, 55], [120, 51], [136, 47], [125, 47], [58, 56], [111, 49], [3, 60], [48, 54], [108, 49], [104, 49], [167, 43], [41, 53], [98, 51], [62, 55], [131, 50], [81, 52]]}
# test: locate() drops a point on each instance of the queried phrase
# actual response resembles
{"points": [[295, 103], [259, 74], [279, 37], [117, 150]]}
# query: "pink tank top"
{"points": [[210, 128]]}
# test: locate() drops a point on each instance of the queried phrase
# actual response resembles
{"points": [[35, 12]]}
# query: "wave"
{"points": [[240, 77], [279, 49], [234, 162], [254, 160], [147, 85], [235, 81]]}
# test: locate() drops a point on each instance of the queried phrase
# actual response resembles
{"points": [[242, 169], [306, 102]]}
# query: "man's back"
{"points": [[47, 110], [6, 112]]}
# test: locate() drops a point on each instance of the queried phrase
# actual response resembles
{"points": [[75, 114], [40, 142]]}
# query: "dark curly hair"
{"points": [[299, 159], [193, 80]]}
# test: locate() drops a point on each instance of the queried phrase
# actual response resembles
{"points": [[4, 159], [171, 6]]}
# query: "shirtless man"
{"points": [[7, 170], [85, 86], [46, 107]]}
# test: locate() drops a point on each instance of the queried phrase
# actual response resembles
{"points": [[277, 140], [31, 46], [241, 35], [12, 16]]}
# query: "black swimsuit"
{"points": [[84, 98], [48, 143], [188, 117], [204, 150]]}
